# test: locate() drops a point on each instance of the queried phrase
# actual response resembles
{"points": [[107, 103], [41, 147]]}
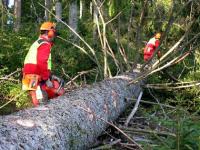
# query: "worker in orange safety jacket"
{"points": [[37, 77], [151, 46]]}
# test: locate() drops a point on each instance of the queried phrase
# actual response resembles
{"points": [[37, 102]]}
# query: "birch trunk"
{"points": [[81, 9], [70, 121], [17, 14]]}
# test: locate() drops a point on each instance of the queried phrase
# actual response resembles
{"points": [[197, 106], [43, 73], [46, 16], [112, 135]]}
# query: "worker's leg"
{"points": [[35, 101], [39, 97]]}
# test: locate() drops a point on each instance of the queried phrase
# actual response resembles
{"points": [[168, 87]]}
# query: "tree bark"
{"points": [[129, 34], [2, 16], [71, 121], [73, 17], [47, 5], [95, 15], [81, 9], [139, 31], [5, 3], [17, 14], [4, 6], [58, 8]]}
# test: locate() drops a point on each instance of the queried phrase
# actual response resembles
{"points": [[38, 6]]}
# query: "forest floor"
{"points": [[153, 128], [139, 129]]}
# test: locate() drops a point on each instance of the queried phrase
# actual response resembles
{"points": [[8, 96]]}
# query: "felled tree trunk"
{"points": [[70, 121]]}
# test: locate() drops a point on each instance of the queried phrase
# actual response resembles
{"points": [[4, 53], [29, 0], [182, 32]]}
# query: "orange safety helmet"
{"points": [[50, 27], [157, 35]]}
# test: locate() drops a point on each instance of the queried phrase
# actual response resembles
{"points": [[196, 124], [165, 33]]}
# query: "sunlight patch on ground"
{"points": [[26, 123]]}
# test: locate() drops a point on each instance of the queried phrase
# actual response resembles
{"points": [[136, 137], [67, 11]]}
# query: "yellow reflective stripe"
{"points": [[49, 62], [31, 56], [152, 41]]}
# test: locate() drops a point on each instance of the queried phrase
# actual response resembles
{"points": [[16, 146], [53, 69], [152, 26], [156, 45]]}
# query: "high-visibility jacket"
{"points": [[38, 59], [150, 48]]}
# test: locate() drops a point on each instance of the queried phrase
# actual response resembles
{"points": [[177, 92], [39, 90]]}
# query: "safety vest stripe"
{"points": [[49, 62], [152, 41], [31, 57]]}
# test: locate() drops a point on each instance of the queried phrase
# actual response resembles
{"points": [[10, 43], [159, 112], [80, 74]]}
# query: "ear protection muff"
{"points": [[51, 34]]}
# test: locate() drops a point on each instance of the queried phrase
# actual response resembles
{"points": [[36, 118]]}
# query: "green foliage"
{"points": [[166, 4], [32, 11], [13, 49], [186, 127], [115, 6], [187, 137], [9, 92]]}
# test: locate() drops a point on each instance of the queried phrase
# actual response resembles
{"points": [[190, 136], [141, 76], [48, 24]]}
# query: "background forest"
{"points": [[103, 38]]}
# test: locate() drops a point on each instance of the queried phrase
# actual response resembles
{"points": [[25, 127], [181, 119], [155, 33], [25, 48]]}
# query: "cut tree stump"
{"points": [[63, 124]]}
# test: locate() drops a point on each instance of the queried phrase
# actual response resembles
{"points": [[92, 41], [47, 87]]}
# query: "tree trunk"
{"points": [[4, 7], [73, 16], [47, 5], [81, 9], [5, 3], [2, 16], [95, 15], [17, 14], [139, 32], [72, 121], [130, 32], [58, 11]]}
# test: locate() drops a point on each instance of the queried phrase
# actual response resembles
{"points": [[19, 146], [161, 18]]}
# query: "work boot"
{"points": [[35, 101]]}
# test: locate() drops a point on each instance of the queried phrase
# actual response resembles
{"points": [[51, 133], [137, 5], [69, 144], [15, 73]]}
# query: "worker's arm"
{"points": [[42, 60], [157, 43], [159, 54]]}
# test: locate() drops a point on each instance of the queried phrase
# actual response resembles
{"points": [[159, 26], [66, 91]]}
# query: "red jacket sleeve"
{"points": [[157, 43], [42, 60]]}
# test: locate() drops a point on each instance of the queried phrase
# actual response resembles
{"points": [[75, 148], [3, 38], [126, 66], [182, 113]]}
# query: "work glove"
{"points": [[48, 83], [60, 80], [54, 77]]}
